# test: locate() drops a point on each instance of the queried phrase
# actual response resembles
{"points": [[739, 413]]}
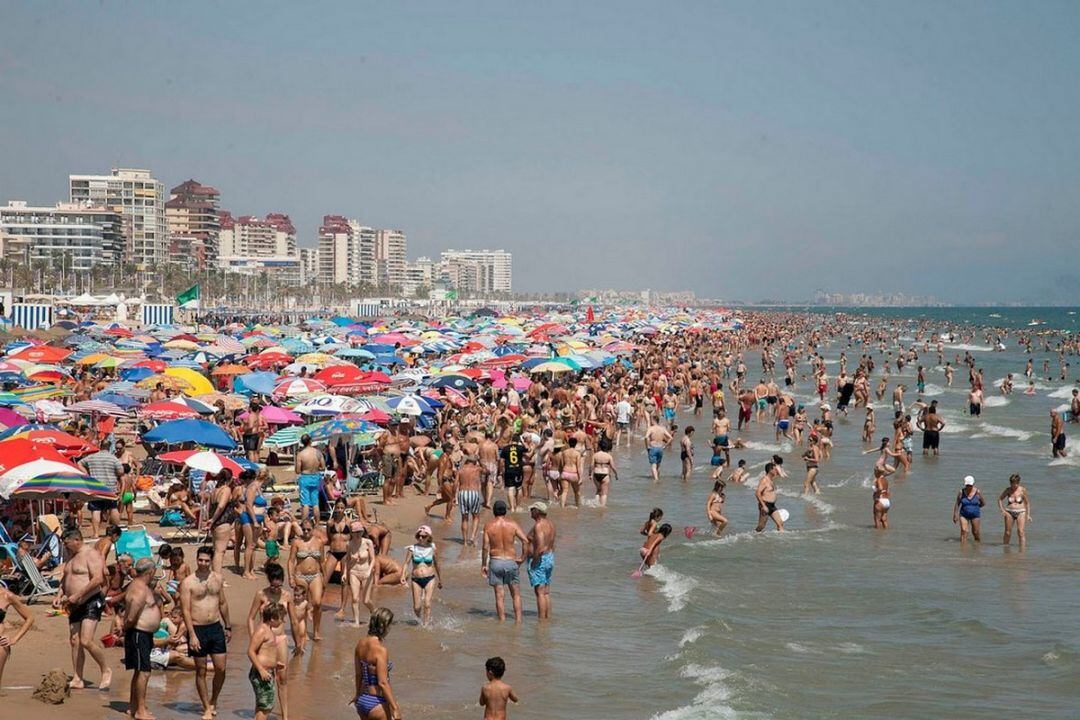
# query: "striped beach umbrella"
{"points": [[72, 485]]}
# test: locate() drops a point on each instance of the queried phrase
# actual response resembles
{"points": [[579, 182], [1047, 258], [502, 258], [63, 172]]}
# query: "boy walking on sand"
{"points": [[495, 694], [263, 654]]}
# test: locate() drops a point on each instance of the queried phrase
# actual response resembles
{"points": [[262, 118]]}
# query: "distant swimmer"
{"points": [[1015, 505], [968, 509]]}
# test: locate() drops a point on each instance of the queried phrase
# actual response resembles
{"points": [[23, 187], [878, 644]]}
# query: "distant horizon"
{"points": [[738, 149]]}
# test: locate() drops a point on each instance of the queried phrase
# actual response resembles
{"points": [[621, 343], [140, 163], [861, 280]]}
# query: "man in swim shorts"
{"points": [[309, 468], [500, 558], [657, 438], [80, 590], [469, 498], [541, 557]]}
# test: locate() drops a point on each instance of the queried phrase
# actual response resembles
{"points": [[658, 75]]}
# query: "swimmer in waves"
{"points": [[882, 501]]}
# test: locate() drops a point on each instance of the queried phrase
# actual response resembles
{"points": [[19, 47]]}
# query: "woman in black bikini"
{"points": [[337, 535], [222, 517]]}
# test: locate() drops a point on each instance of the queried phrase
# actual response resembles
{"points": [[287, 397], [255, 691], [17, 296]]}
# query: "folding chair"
{"points": [[33, 584]]}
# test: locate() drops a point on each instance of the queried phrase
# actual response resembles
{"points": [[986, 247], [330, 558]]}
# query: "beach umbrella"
{"points": [[166, 381], [96, 407], [231, 402], [551, 367], [9, 418], [125, 402], [274, 415], [66, 444], [410, 405], [205, 460], [325, 430], [328, 404], [297, 387], [42, 354], [196, 381], [46, 373], [285, 437], [72, 485], [457, 382], [199, 432], [256, 383], [168, 410], [375, 415], [230, 369], [137, 373]]}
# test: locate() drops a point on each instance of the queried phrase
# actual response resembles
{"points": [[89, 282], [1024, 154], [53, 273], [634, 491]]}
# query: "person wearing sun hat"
{"points": [[541, 557], [968, 509]]}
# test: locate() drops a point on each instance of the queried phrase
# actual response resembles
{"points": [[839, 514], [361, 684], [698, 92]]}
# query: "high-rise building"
{"points": [[309, 266], [140, 201], [477, 271], [248, 236], [419, 276], [75, 236], [194, 224], [347, 252], [390, 254]]}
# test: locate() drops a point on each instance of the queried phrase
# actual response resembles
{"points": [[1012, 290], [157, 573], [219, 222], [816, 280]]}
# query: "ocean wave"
{"points": [[996, 401], [931, 390], [1007, 432], [768, 447], [769, 535], [970, 348], [1068, 460], [1062, 393], [810, 499], [675, 586], [692, 635], [710, 702]]}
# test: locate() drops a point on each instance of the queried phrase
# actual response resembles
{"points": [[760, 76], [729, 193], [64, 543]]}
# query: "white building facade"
{"points": [[140, 201]]}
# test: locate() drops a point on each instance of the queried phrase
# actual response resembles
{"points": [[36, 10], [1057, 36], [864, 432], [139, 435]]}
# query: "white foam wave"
{"points": [[1068, 460], [1062, 393], [710, 701], [768, 447], [675, 586], [1063, 407], [970, 348], [931, 390], [810, 499], [801, 649], [692, 635], [1007, 432], [768, 535], [850, 648], [996, 401]]}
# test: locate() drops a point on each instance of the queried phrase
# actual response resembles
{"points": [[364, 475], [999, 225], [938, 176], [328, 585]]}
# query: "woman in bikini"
{"points": [[571, 465], [305, 570], [222, 517], [422, 569], [446, 475], [812, 456], [1015, 506], [360, 566], [882, 501], [252, 514], [374, 698], [714, 507], [10, 601], [337, 534], [603, 470]]}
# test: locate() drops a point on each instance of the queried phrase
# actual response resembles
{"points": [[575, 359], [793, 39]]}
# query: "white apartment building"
{"points": [[478, 271], [74, 236], [309, 266], [390, 257], [251, 237], [140, 201], [347, 252], [419, 275]]}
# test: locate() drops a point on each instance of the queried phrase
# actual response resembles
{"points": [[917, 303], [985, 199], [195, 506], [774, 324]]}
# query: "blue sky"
{"points": [[740, 150]]}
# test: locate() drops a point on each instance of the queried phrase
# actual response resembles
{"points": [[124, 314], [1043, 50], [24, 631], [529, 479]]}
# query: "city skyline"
{"points": [[690, 148]]}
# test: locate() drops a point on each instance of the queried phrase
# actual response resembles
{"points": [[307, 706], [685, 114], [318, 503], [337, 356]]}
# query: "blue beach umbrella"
{"points": [[199, 432]]}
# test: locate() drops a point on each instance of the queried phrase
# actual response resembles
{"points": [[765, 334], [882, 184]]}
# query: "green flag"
{"points": [[451, 294], [189, 298]]}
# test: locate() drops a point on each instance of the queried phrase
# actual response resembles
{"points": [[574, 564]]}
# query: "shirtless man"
{"points": [[489, 465], [499, 560], [142, 617], [541, 547], [252, 432], [761, 394], [389, 449], [931, 424], [80, 590], [309, 467], [746, 404], [206, 616], [469, 498], [657, 439], [1057, 435], [975, 401], [766, 497], [721, 428]]}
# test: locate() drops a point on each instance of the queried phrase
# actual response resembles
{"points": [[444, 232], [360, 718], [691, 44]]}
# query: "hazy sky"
{"points": [[735, 149]]}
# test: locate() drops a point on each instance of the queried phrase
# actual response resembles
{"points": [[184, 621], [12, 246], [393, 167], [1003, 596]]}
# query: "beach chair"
{"points": [[369, 483], [26, 580], [135, 541]]}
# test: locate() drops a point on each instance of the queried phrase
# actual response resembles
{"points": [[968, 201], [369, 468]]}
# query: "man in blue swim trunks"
{"points": [[541, 557], [309, 468], [657, 438]]}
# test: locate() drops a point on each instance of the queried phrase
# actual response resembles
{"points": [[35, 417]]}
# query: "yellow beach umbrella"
{"points": [[198, 383]]}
